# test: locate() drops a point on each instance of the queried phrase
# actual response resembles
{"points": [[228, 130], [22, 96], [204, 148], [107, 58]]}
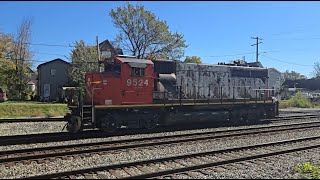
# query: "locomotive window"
{"points": [[137, 71], [116, 68]]}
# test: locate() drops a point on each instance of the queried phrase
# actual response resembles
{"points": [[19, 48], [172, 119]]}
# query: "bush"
{"points": [[300, 101], [296, 101]]}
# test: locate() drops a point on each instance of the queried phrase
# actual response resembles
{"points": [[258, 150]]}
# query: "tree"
{"points": [[316, 72], [143, 35], [15, 53], [293, 75], [84, 59], [21, 55], [7, 70], [6, 45], [193, 59]]}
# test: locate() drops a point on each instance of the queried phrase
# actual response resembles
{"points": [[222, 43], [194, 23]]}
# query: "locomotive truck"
{"points": [[141, 93]]}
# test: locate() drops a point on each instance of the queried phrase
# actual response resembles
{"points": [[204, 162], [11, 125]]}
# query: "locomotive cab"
{"points": [[125, 81]]}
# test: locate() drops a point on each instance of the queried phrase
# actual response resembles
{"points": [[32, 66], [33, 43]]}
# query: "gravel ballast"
{"points": [[21, 170], [275, 169]]}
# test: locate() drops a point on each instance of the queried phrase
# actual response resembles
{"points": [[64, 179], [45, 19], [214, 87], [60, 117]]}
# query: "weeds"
{"points": [[308, 170]]}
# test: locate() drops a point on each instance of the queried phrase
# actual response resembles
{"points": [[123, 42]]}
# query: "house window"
{"points": [[137, 71], [53, 72]]}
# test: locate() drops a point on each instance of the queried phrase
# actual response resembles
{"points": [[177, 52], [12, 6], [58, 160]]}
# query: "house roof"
{"points": [[106, 45], [58, 59]]}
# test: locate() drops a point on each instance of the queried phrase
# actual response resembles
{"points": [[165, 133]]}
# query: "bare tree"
{"points": [[316, 72], [21, 55]]}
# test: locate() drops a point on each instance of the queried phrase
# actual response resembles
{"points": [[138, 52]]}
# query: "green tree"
{"points": [[143, 35], [293, 75], [193, 59], [316, 72], [84, 59], [7, 72]]}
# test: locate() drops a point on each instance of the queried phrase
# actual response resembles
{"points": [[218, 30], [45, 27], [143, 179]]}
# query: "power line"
{"points": [[43, 44], [238, 54], [296, 39], [286, 61], [76, 62], [49, 54], [229, 55], [57, 45]]}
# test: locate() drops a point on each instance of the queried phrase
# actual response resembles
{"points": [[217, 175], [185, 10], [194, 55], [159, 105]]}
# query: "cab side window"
{"points": [[137, 71]]}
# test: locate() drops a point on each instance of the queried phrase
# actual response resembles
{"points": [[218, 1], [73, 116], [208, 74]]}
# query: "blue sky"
{"points": [[215, 31]]}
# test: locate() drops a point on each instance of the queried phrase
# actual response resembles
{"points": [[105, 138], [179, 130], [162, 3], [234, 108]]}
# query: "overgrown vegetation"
{"points": [[308, 170], [12, 109], [297, 100]]}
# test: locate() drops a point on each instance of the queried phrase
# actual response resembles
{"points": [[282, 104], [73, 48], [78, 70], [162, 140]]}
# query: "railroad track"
{"points": [[61, 119], [16, 120], [286, 118], [170, 166], [41, 154], [65, 136]]}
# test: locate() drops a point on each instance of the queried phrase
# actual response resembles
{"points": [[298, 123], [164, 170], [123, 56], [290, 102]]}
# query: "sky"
{"points": [[215, 31]]}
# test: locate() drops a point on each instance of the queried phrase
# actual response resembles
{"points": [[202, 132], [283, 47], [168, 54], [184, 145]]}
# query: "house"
{"points": [[107, 48], [32, 80], [107, 51], [52, 76]]}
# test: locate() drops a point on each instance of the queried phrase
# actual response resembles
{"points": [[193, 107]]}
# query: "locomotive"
{"points": [[141, 93]]}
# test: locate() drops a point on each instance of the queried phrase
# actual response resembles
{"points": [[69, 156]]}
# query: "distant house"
{"points": [[32, 80], [52, 76], [107, 50]]}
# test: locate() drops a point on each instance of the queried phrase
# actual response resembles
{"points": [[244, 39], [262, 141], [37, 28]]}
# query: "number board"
{"points": [[137, 82]]}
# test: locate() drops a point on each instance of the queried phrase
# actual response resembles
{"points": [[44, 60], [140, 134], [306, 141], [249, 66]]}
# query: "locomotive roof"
{"points": [[128, 60]]}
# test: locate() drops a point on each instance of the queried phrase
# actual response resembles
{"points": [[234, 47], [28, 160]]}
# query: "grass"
{"points": [[308, 170], [13, 109], [297, 101]]}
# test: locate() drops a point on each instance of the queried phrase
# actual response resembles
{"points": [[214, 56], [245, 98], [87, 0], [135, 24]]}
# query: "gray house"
{"points": [[52, 76]]}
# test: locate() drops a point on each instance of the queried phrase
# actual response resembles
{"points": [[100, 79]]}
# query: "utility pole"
{"points": [[98, 49], [99, 57], [257, 49]]}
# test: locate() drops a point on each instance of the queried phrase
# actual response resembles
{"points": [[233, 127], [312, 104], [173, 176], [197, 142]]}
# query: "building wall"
{"points": [[275, 81], [56, 81]]}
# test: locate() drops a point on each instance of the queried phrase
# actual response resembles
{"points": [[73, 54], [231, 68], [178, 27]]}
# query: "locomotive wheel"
{"points": [[151, 122], [109, 124], [74, 124]]}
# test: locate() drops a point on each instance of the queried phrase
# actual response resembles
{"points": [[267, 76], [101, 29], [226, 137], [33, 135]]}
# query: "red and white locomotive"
{"points": [[140, 93]]}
